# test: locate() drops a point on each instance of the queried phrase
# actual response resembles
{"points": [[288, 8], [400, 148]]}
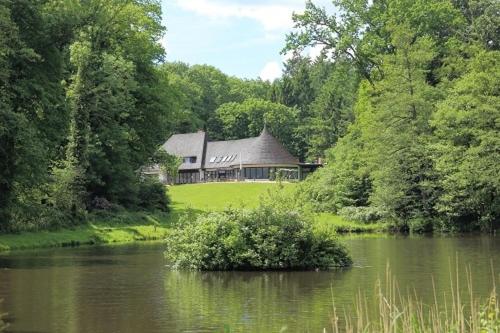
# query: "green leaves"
{"points": [[467, 127], [268, 237]]}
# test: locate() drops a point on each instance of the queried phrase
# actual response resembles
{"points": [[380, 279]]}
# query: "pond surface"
{"points": [[130, 288]]}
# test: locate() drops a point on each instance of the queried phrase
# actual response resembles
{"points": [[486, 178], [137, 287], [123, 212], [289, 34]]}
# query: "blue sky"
{"points": [[242, 38]]}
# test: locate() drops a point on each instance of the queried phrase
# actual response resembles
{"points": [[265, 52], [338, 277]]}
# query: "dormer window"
{"points": [[189, 159]]}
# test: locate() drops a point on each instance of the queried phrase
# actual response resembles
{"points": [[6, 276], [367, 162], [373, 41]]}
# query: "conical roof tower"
{"points": [[266, 149]]}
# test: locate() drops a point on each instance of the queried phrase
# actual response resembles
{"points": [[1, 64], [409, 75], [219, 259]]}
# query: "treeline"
{"points": [[307, 109], [82, 107], [423, 148]]}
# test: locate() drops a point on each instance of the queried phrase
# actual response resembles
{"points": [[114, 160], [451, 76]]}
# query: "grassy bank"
{"points": [[123, 227], [127, 227]]}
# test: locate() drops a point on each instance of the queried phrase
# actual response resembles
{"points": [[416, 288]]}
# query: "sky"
{"points": [[240, 37]]}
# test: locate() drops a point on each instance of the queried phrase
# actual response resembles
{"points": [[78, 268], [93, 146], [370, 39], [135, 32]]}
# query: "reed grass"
{"points": [[396, 312], [3, 325]]}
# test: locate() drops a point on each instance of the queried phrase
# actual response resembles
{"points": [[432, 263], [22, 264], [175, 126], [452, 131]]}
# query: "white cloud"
{"points": [[271, 71], [272, 17]]}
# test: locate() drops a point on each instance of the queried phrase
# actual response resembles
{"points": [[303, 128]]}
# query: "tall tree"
{"points": [[467, 127]]}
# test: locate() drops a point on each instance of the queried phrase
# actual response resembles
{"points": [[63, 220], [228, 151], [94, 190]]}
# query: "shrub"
{"points": [[265, 238], [420, 225], [153, 195], [361, 214]]}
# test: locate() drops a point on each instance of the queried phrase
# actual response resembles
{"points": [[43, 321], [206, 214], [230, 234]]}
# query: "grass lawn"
{"points": [[217, 196], [139, 226]]}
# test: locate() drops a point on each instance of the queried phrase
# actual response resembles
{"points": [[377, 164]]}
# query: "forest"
{"points": [[402, 106]]}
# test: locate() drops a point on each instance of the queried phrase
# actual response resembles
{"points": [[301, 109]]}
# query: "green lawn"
{"points": [[217, 196], [137, 226]]}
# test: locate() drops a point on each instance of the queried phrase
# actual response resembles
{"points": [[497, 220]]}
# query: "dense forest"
{"points": [[403, 105]]}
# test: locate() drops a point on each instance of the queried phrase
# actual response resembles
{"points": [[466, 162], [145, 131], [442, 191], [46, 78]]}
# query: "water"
{"points": [[130, 288]]}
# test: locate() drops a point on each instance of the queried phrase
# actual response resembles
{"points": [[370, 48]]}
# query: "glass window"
{"points": [[258, 173], [189, 159], [265, 173], [212, 159]]}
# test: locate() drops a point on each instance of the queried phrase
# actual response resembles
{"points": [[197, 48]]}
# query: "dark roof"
{"points": [[186, 145], [264, 149], [261, 150]]}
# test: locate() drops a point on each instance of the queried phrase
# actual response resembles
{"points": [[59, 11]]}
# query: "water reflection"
{"points": [[130, 289]]}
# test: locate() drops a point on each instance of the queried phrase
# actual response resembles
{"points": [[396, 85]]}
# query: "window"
{"points": [[258, 173], [212, 159], [224, 159], [265, 173], [189, 159]]}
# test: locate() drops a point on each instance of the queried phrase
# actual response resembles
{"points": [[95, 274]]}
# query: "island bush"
{"points": [[269, 237]]}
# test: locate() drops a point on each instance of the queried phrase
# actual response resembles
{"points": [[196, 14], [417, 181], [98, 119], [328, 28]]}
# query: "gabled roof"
{"points": [[186, 145]]}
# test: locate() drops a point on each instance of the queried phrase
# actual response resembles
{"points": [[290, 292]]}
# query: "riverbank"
{"points": [[123, 227], [126, 227]]}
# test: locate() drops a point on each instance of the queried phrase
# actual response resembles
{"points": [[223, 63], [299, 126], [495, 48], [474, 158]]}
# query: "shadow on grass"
{"points": [[101, 228]]}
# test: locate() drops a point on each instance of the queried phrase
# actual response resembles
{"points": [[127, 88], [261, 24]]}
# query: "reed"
{"points": [[396, 312], [3, 325]]}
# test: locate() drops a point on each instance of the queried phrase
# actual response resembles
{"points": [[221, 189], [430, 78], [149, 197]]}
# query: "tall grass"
{"points": [[3, 325], [398, 313]]}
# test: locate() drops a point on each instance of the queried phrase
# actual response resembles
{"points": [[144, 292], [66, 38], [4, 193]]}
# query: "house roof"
{"points": [[261, 150], [187, 145]]}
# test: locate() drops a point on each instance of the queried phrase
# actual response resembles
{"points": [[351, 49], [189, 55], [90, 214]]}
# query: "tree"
{"points": [[467, 147], [116, 122], [247, 119], [332, 110]]}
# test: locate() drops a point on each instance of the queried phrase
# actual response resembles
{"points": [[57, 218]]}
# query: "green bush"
{"points": [[420, 225], [265, 238], [153, 195], [363, 214]]}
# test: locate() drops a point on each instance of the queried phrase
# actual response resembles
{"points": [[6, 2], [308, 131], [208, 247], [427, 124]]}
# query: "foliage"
{"points": [[467, 144], [81, 106], [200, 90], [270, 236], [168, 164], [153, 195], [361, 214], [247, 119], [420, 146]]}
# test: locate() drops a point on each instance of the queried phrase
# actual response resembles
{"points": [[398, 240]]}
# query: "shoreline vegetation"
{"points": [[125, 227], [396, 311]]}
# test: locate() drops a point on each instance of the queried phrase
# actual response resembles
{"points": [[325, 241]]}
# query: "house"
{"points": [[258, 158]]}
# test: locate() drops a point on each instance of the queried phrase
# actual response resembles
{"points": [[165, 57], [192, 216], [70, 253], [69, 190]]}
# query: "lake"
{"points": [[131, 289]]}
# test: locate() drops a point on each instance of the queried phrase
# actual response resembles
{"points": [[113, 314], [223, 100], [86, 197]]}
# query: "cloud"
{"points": [[272, 17], [271, 71]]}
